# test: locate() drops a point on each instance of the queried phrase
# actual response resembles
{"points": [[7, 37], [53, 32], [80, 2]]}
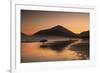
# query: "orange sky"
{"points": [[33, 21]]}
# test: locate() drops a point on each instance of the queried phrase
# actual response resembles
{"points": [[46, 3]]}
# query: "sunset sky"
{"points": [[33, 21]]}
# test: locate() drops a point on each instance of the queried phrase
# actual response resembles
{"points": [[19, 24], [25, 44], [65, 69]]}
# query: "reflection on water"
{"points": [[55, 51], [57, 45]]}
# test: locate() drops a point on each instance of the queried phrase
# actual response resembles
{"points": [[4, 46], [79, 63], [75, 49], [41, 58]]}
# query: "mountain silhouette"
{"points": [[58, 31], [25, 37], [84, 34]]}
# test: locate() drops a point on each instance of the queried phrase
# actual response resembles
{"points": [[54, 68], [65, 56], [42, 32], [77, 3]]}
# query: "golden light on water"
{"points": [[32, 52]]}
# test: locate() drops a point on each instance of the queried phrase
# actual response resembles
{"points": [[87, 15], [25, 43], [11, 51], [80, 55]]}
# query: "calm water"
{"points": [[55, 50]]}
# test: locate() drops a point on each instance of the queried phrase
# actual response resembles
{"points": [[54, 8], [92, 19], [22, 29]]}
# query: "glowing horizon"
{"points": [[33, 21]]}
